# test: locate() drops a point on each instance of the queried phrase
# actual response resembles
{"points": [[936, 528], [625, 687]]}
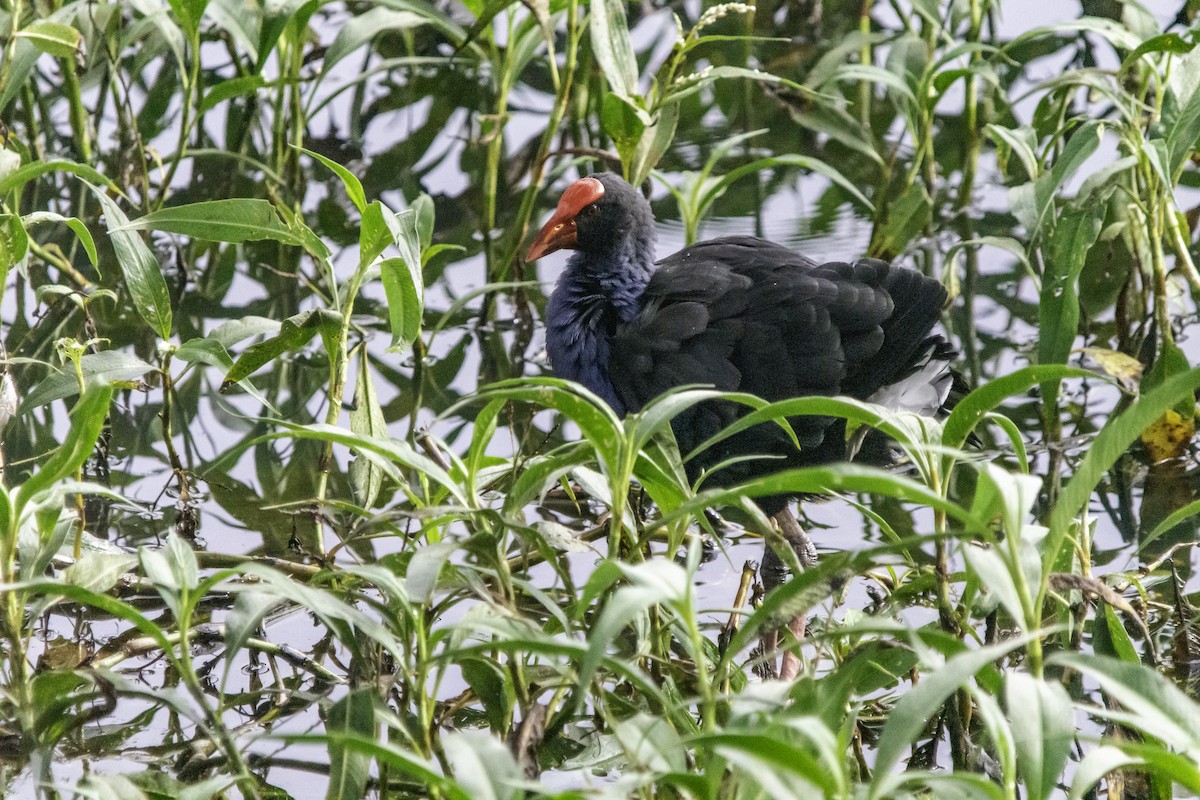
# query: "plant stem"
{"points": [[966, 193], [562, 99], [1183, 256], [493, 129], [186, 122]]}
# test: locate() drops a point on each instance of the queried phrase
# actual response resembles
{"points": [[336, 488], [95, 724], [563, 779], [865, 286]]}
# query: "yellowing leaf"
{"points": [[1126, 369], [1168, 436]]}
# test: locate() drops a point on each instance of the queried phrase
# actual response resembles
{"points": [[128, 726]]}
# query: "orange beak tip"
{"points": [[559, 232], [556, 234]]}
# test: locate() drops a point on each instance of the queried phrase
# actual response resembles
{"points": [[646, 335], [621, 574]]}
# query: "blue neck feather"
{"points": [[596, 293]]}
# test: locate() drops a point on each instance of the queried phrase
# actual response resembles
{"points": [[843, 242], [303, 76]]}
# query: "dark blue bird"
{"points": [[741, 314]]}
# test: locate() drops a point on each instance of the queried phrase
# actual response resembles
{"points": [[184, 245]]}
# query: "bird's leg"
{"points": [[772, 572], [797, 538]]}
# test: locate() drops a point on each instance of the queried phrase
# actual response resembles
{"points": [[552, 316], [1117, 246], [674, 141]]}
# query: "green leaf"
{"points": [[366, 419], [718, 186], [14, 245], [659, 470], [654, 143], [1043, 729], [210, 351], [1164, 43], [375, 234], [622, 608], [1058, 307], [1075, 153], [483, 429], [386, 452], [19, 62], [423, 208], [56, 38], [845, 477], [143, 276], [346, 622], [1181, 138], [872, 74], [657, 415], [1188, 512], [1171, 361], [276, 17], [913, 711], [108, 605], [995, 580], [237, 330], [1111, 30], [427, 774], [103, 367], [969, 411], [362, 28], [625, 123], [612, 46], [234, 220], [1109, 637], [420, 580], [595, 418], [761, 754], [542, 473], [999, 731], [403, 283], [1095, 765], [349, 769], [651, 744], [1016, 142], [189, 12], [242, 622], [1113, 440], [87, 420], [779, 412], [242, 21], [483, 766], [75, 224], [401, 286], [295, 332], [99, 571], [1033, 202], [354, 189], [907, 217], [1154, 705], [35, 169], [173, 571], [494, 687], [226, 90]]}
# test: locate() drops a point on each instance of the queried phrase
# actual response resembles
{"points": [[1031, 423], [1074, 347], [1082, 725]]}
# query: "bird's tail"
{"points": [[926, 385], [907, 345]]}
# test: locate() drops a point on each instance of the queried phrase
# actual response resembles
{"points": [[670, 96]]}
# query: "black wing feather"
{"points": [[743, 314]]}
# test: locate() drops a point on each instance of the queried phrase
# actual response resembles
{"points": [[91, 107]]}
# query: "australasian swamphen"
{"points": [[741, 314]]}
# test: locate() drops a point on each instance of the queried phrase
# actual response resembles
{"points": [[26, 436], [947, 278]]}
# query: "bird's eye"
{"points": [[591, 210]]}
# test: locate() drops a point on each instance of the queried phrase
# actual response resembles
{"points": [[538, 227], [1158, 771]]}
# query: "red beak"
{"points": [[559, 232]]}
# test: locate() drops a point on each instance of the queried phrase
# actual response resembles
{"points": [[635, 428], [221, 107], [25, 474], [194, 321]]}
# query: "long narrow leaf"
{"points": [[142, 273], [1113, 440]]}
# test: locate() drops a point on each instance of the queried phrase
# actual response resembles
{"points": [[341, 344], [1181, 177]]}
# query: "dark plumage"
{"points": [[739, 313]]}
